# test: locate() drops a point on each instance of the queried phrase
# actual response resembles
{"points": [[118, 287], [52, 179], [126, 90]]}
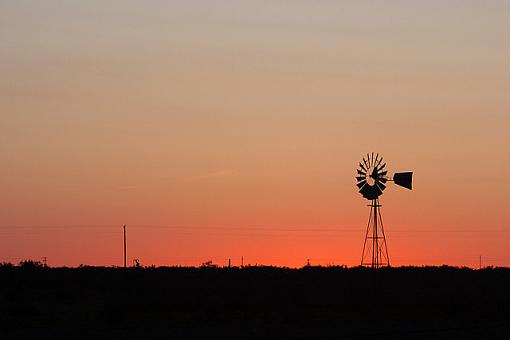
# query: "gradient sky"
{"points": [[219, 129]]}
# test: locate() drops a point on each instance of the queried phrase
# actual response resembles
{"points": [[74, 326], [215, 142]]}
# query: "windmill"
{"points": [[372, 178]]}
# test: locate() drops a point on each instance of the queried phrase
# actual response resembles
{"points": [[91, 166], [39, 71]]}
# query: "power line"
{"points": [[249, 228]]}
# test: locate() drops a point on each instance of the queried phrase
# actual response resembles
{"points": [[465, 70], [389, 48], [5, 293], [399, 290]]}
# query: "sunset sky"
{"points": [[221, 129]]}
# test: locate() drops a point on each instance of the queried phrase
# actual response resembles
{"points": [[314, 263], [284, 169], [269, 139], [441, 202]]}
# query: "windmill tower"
{"points": [[372, 178]]}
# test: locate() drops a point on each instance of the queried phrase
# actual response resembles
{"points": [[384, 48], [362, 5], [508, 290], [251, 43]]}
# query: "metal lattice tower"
{"points": [[375, 250]]}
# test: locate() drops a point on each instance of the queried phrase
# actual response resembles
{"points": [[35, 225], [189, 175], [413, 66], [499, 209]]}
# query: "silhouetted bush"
{"points": [[30, 264], [209, 264]]}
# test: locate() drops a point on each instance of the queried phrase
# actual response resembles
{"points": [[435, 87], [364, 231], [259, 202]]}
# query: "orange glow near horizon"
{"points": [[234, 130]]}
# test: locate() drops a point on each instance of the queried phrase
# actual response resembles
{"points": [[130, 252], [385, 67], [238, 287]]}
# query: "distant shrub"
{"points": [[31, 264], [209, 264], [85, 266]]}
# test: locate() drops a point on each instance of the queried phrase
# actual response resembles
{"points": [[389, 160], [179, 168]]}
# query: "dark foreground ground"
{"points": [[253, 303]]}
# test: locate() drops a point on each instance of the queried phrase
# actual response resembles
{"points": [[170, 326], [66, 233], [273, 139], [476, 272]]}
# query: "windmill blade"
{"points": [[382, 174], [382, 167], [383, 179], [370, 192], [361, 178], [380, 162], [381, 186], [366, 164], [361, 184], [361, 166], [365, 191], [361, 173], [404, 179], [377, 191]]}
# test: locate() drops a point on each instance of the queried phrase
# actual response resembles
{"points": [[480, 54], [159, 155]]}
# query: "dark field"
{"points": [[253, 303]]}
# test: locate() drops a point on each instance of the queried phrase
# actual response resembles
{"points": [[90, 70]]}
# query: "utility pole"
{"points": [[124, 245], [480, 261], [229, 263], [242, 261]]}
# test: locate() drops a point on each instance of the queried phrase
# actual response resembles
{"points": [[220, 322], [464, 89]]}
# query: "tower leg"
{"points": [[375, 239], [124, 246]]}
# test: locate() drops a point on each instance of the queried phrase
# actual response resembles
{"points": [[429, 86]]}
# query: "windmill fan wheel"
{"points": [[371, 176]]}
